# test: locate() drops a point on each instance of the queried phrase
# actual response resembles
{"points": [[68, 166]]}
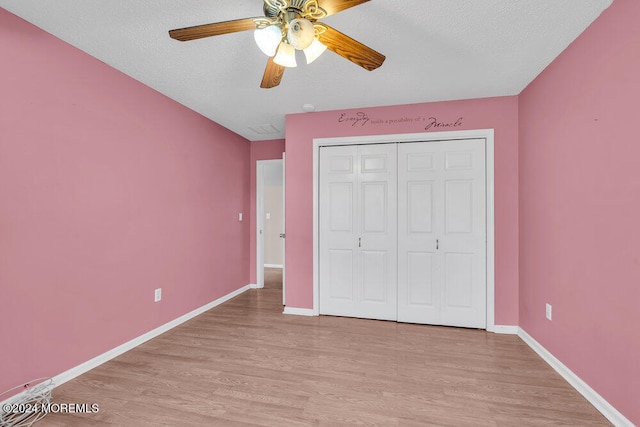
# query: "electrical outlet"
{"points": [[548, 313], [157, 296], [240, 216]]}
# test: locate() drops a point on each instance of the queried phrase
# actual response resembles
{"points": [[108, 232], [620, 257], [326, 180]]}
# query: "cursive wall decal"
{"points": [[433, 123], [357, 118], [362, 119]]}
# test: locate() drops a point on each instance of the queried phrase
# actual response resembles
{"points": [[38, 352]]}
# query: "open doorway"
{"points": [[270, 224]]}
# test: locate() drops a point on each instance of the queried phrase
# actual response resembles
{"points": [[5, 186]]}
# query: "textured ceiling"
{"points": [[436, 50]]}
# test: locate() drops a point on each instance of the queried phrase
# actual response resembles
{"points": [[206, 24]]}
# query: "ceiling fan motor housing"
{"points": [[287, 10]]}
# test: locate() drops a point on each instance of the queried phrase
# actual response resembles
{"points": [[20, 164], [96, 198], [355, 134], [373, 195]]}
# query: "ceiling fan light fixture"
{"points": [[287, 26], [315, 49], [301, 33], [286, 55], [268, 39]]}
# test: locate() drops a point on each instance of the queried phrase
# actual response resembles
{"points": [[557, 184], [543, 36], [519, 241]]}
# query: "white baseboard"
{"points": [[506, 329], [254, 286], [299, 311], [611, 413], [115, 352], [273, 265]]}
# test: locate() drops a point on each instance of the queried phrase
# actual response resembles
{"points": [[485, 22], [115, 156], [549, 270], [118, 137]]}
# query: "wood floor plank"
{"points": [[244, 363]]}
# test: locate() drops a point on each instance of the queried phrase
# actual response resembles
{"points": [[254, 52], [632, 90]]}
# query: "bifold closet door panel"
{"points": [[464, 240], [337, 221], [377, 244], [358, 224], [442, 233], [420, 204]]}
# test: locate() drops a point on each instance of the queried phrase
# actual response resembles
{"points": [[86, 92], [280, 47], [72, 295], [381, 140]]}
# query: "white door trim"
{"points": [[284, 228], [486, 134], [260, 164]]}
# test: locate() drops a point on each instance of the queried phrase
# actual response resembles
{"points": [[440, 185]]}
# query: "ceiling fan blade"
{"points": [[272, 75], [335, 6], [351, 49], [208, 30]]}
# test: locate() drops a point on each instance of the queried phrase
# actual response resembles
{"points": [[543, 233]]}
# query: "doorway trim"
{"points": [[486, 134], [260, 165]]}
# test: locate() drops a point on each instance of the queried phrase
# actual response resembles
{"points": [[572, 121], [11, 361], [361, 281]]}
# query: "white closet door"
{"points": [[442, 233], [358, 231], [420, 271]]}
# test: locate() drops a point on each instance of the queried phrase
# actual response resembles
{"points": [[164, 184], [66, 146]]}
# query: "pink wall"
{"points": [[500, 114], [260, 150], [580, 204], [108, 190]]}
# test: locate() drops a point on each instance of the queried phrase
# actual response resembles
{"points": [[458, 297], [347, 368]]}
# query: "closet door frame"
{"points": [[486, 134]]}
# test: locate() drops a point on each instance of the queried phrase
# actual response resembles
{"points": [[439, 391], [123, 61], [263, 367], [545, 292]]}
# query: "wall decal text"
{"points": [[362, 119], [433, 123], [358, 118]]}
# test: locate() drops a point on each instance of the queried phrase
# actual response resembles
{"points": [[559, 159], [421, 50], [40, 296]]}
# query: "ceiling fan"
{"points": [[288, 25]]}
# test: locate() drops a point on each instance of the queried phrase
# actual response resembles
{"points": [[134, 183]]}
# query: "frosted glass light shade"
{"points": [[286, 55], [314, 50], [268, 39], [301, 33]]}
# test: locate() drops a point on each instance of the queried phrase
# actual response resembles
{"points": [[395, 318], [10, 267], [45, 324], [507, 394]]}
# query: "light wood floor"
{"points": [[245, 363]]}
